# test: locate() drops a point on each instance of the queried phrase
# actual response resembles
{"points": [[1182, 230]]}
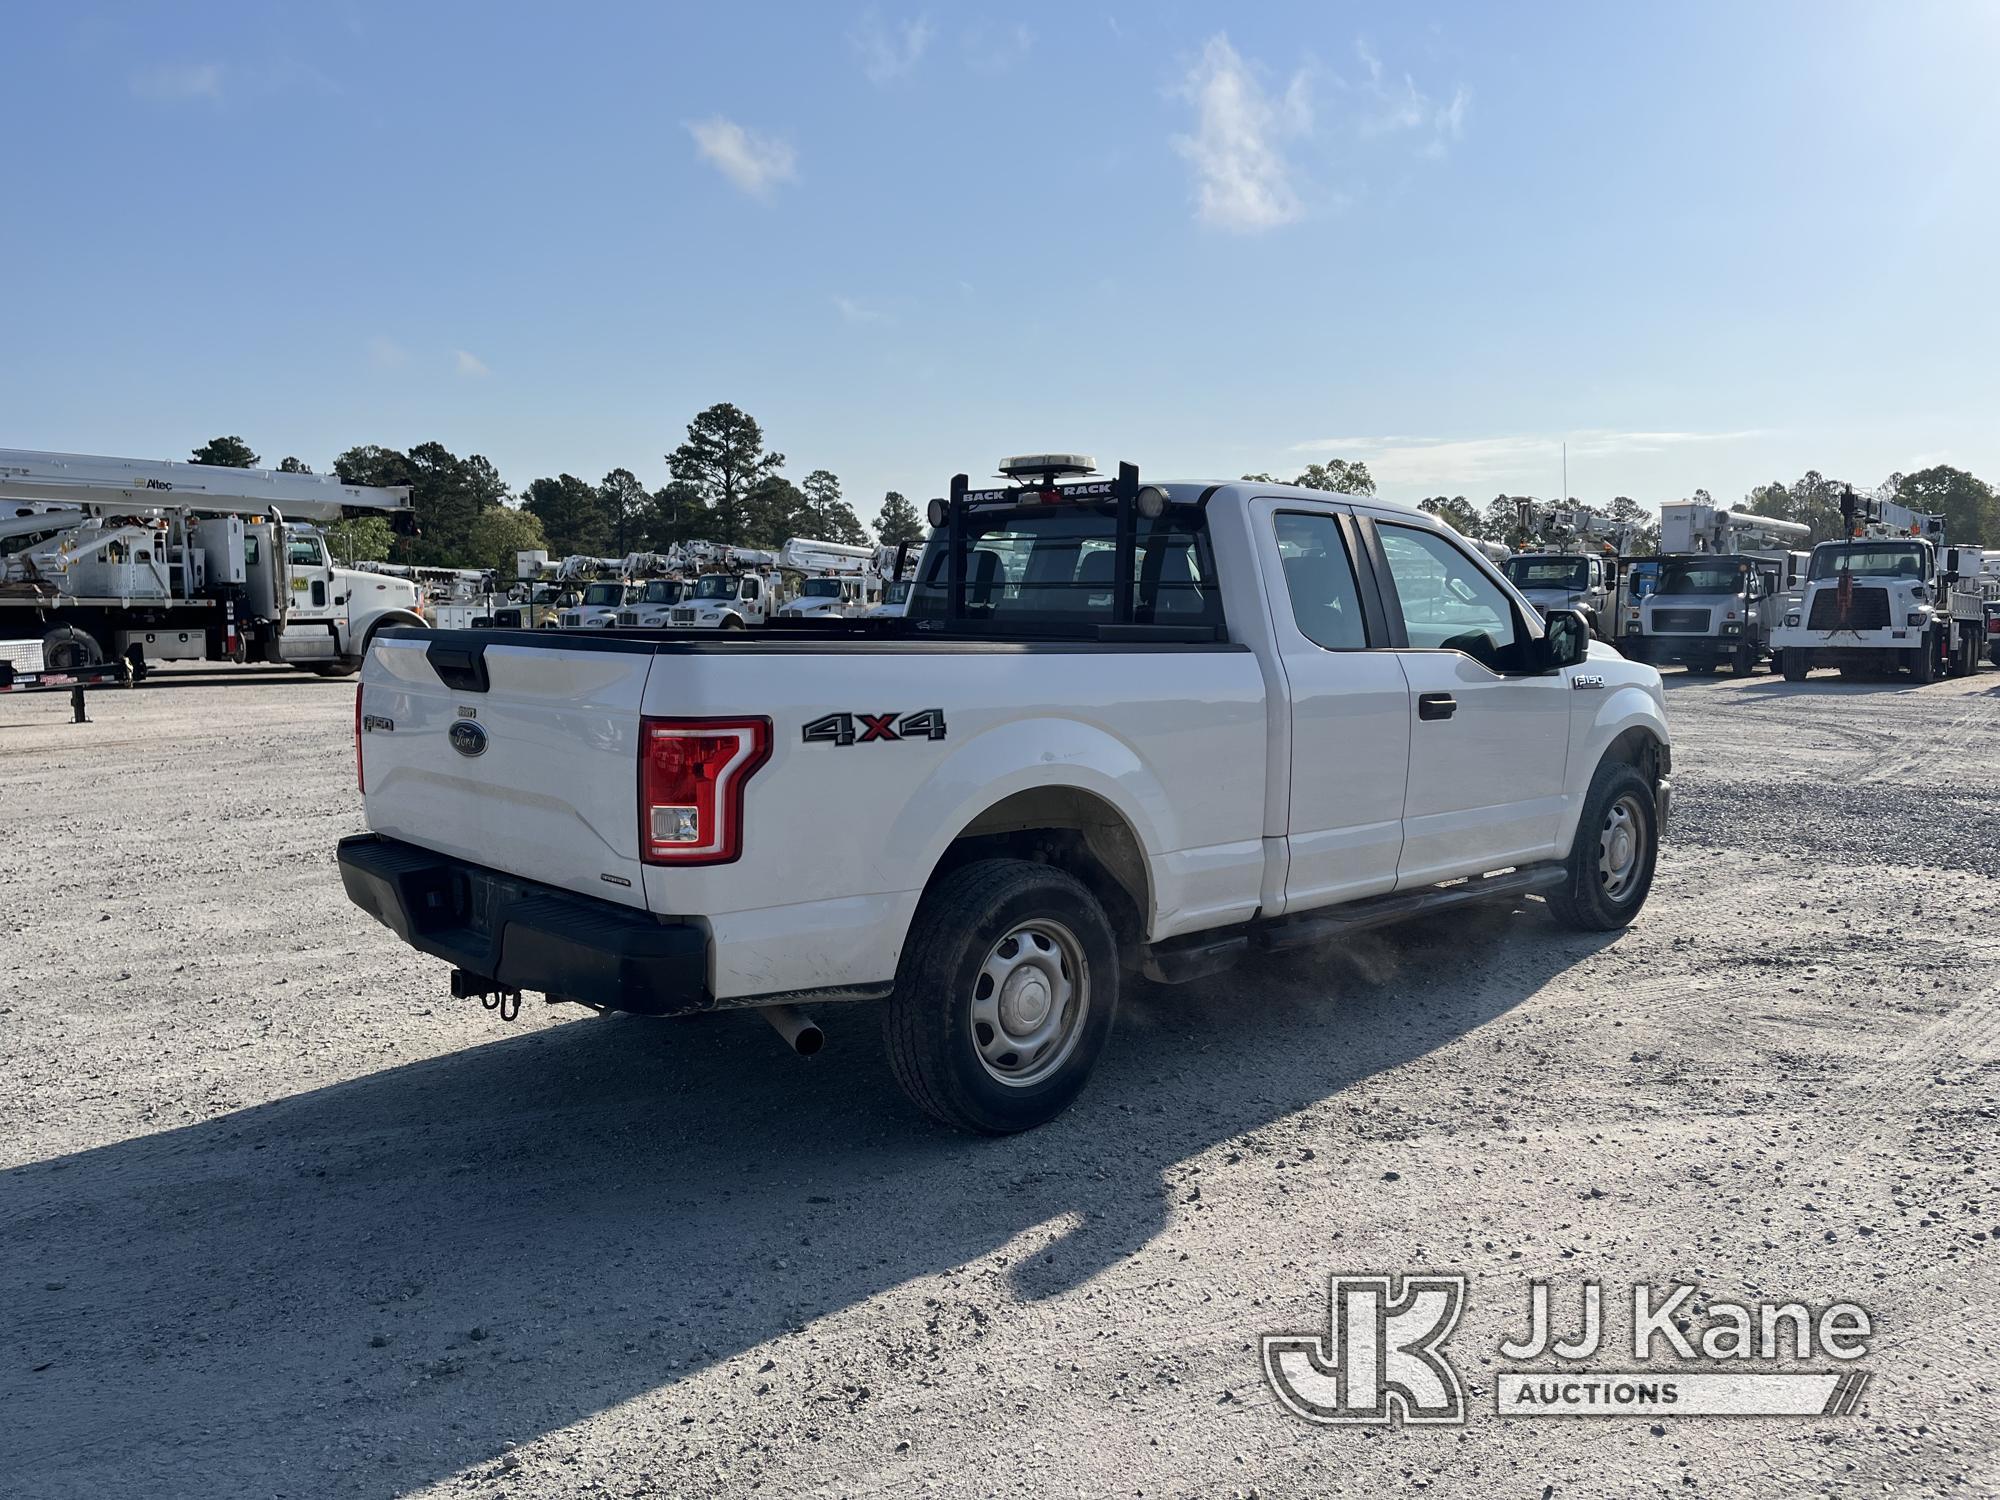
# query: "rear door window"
{"points": [[1319, 577]]}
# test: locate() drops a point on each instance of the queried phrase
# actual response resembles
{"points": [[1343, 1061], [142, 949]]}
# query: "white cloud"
{"points": [[179, 83], [996, 51], [1242, 181], [469, 363], [888, 53], [1398, 106], [857, 312], [754, 162], [1430, 460], [386, 353]]}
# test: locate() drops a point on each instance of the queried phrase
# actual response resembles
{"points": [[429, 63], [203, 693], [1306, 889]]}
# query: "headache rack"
{"points": [[1131, 502]]}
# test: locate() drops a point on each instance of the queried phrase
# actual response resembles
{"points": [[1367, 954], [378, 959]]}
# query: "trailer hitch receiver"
{"points": [[465, 986]]}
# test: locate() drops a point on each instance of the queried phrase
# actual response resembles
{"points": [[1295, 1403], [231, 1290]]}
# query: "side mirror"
{"points": [[1565, 639]]}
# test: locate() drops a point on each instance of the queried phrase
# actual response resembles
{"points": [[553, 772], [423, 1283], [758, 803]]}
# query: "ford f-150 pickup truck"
{"points": [[1122, 729]]}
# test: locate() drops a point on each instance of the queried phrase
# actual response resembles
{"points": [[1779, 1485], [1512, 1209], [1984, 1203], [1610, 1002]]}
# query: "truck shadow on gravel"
{"points": [[369, 1287]]}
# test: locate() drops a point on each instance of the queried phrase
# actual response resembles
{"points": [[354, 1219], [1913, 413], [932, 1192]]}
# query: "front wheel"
{"points": [[1004, 998], [1796, 662], [1923, 662], [1611, 860]]}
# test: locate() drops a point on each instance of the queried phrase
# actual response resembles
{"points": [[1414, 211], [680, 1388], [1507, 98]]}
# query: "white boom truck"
{"points": [[840, 580], [105, 557], [1718, 588], [1892, 594], [1576, 565], [1124, 728], [743, 589]]}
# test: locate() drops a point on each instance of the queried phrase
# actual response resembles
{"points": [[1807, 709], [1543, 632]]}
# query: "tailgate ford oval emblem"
{"points": [[468, 737]]}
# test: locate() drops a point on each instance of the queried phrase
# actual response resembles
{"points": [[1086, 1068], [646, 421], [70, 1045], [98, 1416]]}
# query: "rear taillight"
{"points": [[360, 776], [691, 776]]}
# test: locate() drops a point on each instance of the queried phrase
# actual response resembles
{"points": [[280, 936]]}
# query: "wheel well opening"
{"points": [[1638, 748], [1076, 831]]}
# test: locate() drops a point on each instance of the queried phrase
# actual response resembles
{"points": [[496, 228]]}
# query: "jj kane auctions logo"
{"points": [[1382, 1357]]}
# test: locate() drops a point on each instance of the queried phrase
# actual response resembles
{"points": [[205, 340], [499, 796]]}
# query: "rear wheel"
{"points": [[1701, 668], [1004, 998], [1610, 864], [67, 648]]}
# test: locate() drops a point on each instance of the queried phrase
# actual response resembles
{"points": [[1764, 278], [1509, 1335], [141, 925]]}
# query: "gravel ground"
{"points": [[278, 1217]]}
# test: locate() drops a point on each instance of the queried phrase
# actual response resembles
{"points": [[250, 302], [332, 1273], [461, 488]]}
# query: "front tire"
{"points": [[1004, 998], [1923, 662], [1610, 866], [1797, 662]]}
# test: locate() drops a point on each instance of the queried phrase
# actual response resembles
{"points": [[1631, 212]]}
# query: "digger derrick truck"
{"points": [[1890, 594], [105, 558], [1719, 588]]}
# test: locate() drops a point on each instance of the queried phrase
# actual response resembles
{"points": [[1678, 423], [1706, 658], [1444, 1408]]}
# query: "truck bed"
{"points": [[843, 824]]}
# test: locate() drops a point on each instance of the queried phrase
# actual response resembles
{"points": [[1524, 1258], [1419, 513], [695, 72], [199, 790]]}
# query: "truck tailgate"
{"points": [[544, 787]]}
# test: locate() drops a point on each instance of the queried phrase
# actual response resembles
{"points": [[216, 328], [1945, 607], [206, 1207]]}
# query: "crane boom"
{"points": [[116, 485]]}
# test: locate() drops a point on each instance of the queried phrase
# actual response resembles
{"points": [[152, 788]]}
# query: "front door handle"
{"points": [[1436, 705]]}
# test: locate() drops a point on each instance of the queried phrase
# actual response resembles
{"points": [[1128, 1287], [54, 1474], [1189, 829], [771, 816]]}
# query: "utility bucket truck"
{"points": [[1719, 588], [117, 557], [1890, 595], [841, 582], [1575, 566]]}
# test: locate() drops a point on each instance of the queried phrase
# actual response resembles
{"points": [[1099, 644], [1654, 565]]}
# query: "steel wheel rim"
{"points": [[1621, 848], [1028, 1003]]}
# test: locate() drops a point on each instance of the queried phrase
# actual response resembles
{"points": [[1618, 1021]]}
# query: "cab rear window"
{"points": [[1058, 565]]}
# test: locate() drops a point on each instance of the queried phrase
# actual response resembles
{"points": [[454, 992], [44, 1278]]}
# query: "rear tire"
{"points": [[68, 648], [1611, 860], [1005, 996], [1701, 668]]}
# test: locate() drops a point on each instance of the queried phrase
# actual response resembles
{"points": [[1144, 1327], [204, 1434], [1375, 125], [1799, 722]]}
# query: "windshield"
{"points": [[715, 586], [1881, 559], [821, 588], [664, 591], [604, 593], [1571, 573], [1700, 575], [896, 592]]}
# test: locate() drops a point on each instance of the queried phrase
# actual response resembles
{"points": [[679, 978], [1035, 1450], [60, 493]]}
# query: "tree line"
{"points": [[725, 485], [1970, 506]]}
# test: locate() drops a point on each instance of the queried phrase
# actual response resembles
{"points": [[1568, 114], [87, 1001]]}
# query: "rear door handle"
{"points": [[1436, 705]]}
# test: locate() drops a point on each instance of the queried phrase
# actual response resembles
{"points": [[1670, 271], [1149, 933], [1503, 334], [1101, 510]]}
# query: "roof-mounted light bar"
{"points": [[1048, 467]]}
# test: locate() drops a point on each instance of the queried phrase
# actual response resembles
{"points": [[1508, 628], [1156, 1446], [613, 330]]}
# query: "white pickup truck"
{"points": [[1122, 729]]}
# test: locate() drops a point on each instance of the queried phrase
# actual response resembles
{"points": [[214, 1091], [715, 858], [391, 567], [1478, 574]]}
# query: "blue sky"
{"points": [[1706, 245]]}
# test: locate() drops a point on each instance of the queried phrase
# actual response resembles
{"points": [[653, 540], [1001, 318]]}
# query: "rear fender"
{"points": [[1032, 754]]}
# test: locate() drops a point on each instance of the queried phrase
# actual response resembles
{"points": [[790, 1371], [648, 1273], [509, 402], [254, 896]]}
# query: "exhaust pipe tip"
{"points": [[796, 1027]]}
